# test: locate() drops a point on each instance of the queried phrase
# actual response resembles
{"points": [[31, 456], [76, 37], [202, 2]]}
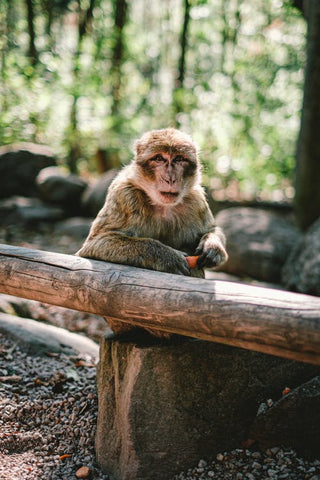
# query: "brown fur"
{"points": [[156, 211]]}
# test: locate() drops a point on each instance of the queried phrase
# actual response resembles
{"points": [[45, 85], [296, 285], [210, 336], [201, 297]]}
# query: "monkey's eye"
{"points": [[180, 159], [158, 158]]}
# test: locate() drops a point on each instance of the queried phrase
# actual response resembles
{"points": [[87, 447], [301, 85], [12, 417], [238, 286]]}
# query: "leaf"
{"points": [[66, 455]]}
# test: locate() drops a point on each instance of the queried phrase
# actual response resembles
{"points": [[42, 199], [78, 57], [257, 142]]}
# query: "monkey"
{"points": [[156, 213]]}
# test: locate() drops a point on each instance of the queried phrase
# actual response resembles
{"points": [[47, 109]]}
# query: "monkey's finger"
{"points": [[199, 251], [185, 269], [217, 257], [210, 258], [202, 260]]}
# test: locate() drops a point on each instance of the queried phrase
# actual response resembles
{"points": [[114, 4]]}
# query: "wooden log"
{"points": [[261, 319]]}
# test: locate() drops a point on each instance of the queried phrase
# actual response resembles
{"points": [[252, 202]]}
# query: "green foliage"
{"points": [[240, 100]]}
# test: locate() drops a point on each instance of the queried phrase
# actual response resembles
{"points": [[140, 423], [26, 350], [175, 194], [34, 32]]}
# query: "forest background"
{"points": [[87, 77]]}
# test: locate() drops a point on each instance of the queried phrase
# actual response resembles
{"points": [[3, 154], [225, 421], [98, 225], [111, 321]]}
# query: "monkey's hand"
{"points": [[173, 261], [212, 251]]}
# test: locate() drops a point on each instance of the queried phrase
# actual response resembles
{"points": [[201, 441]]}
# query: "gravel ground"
{"points": [[48, 412], [242, 464], [48, 408]]}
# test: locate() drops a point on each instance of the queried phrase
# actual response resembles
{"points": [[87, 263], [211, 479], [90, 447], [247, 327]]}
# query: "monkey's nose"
{"points": [[170, 181]]}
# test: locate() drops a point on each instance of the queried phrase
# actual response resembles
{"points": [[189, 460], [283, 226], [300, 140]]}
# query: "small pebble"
{"points": [[83, 472], [271, 473]]}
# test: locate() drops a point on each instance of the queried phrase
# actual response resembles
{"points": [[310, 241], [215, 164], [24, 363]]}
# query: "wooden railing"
{"points": [[261, 319]]}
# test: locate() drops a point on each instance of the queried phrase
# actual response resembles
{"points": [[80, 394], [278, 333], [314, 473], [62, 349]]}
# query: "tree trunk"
{"points": [[32, 53], [120, 17], [261, 319], [183, 45], [179, 83], [307, 199], [85, 18]]}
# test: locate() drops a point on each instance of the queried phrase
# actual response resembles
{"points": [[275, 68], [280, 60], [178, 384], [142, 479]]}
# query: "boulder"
{"points": [[94, 196], [301, 272], [258, 242], [28, 211], [19, 167], [293, 420], [76, 227], [163, 405], [58, 187]]}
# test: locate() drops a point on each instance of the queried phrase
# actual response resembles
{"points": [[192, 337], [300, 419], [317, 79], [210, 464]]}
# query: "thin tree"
{"points": [[32, 51], [120, 9], [179, 83], [85, 19], [307, 198], [183, 45]]}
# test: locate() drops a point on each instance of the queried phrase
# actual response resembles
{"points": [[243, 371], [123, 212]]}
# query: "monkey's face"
{"points": [[168, 166]]}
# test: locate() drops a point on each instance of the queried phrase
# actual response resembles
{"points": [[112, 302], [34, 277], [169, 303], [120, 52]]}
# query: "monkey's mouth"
{"points": [[169, 196]]}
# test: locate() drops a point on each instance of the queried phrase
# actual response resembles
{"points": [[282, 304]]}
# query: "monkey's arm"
{"points": [[212, 245], [211, 250], [117, 247]]}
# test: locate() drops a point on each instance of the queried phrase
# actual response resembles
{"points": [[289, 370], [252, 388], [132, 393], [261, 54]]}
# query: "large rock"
{"points": [[60, 188], [76, 227], [301, 271], [94, 196], [293, 420], [19, 167], [28, 211], [163, 406], [258, 242]]}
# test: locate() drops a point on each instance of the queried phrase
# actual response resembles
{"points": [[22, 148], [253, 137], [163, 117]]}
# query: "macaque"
{"points": [[156, 213]]}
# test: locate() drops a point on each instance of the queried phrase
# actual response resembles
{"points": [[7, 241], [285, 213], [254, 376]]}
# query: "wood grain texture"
{"points": [[261, 319]]}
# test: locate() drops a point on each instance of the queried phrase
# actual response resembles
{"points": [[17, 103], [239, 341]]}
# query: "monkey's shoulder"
{"points": [[125, 195], [125, 207]]}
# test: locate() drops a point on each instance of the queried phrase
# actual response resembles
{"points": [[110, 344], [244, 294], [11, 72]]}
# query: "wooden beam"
{"points": [[261, 319]]}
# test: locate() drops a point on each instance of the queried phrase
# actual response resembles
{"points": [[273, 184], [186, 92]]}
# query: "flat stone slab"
{"points": [[37, 338]]}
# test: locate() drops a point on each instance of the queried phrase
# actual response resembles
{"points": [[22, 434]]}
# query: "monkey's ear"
{"points": [[137, 147]]}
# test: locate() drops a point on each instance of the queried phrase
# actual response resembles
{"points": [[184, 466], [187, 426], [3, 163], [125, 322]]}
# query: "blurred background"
{"points": [[87, 77]]}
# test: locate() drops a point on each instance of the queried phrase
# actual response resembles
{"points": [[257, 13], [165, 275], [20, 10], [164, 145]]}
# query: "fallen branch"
{"points": [[261, 319]]}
